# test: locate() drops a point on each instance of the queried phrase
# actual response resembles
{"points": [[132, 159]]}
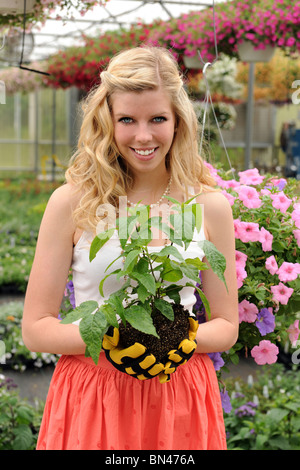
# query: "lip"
{"points": [[144, 157]]}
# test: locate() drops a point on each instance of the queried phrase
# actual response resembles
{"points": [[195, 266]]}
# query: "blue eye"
{"points": [[159, 119], [126, 120]]}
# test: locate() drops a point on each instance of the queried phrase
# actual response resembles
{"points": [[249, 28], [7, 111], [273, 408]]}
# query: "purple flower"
{"points": [[245, 410], [70, 289], [265, 321], [225, 401], [217, 360]]}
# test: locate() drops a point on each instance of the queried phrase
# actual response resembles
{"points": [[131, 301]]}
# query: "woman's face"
{"points": [[144, 125]]}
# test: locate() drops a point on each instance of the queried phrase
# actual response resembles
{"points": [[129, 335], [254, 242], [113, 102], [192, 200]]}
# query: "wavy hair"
{"points": [[97, 169]]}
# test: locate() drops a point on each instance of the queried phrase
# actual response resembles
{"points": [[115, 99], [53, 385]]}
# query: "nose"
{"points": [[143, 133]]}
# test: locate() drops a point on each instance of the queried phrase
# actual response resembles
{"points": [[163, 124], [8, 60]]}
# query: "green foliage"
{"points": [[15, 355], [23, 201], [265, 413], [19, 421], [149, 277]]}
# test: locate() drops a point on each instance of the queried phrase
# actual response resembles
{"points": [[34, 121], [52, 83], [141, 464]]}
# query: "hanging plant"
{"points": [[262, 22], [39, 10], [18, 80], [273, 80], [81, 66]]}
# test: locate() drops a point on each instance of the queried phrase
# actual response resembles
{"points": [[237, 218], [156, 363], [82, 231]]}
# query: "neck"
{"points": [[148, 189]]}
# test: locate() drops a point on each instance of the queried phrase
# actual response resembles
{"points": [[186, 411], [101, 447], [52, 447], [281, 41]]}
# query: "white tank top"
{"points": [[87, 275]]}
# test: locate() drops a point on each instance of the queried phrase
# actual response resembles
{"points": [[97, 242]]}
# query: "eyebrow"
{"points": [[163, 113]]}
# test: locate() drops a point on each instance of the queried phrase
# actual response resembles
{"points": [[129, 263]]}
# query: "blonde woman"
{"points": [[138, 139]]}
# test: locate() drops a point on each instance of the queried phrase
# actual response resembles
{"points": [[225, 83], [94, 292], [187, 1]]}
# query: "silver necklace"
{"points": [[161, 198]]}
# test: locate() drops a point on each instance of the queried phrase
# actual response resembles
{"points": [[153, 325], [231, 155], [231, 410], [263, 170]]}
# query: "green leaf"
{"points": [[190, 271], [79, 312], [99, 241], [23, 437], [115, 300], [275, 415], [140, 319], [172, 291], [280, 442], [92, 329], [110, 314], [197, 211], [147, 280], [215, 258], [117, 271], [260, 441], [165, 308], [2, 349], [130, 259], [197, 262], [142, 293], [203, 299], [170, 274], [25, 414], [142, 266], [173, 200], [171, 251]]}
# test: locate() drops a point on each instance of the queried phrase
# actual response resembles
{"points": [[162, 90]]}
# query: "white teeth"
{"points": [[144, 152]]}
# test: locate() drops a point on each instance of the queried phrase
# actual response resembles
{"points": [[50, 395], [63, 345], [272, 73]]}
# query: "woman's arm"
{"points": [[221, 331], [41, 329]]}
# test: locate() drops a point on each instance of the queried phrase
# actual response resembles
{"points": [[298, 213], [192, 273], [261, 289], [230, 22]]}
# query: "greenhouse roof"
{"points": [[58, 34]]}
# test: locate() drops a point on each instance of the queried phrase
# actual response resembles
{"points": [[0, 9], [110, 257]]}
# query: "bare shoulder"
{"points": [[63, 200], [65, 196], [58, 215], [214, 201], [217, 213]]}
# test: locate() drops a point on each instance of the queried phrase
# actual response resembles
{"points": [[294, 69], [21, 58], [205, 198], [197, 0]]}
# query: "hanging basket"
{"points": [[248, 53], [192, 62], [15, 7]]}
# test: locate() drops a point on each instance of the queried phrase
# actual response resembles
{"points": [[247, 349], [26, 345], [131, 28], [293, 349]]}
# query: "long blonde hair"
{"points": [[97, 169]]}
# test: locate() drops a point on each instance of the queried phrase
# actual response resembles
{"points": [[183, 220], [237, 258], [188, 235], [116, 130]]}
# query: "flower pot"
{"points": [[248, 53], [14, 7], [192, 62]]}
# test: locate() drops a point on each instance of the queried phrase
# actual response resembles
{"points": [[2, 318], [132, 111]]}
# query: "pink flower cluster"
{"points": [[249, 196], [263, 23]]}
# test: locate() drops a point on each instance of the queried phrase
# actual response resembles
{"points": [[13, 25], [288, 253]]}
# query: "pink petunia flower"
{"points": [[265, 353], [281, 293], [249, 197], [293, 331], [247, 312], [247, 231], [241, 274], [296, 215], [229, 197], [266, 239], [288, 271], [271, 265], [296, 234], [233, 184], [240, 258], [250, 177], [280, 201]]}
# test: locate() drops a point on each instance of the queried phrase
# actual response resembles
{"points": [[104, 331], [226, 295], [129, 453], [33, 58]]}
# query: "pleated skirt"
{"points": [[91, 407]]}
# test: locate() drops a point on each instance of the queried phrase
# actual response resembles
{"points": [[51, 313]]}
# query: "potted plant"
{"points": [[262, 23], [80, 66], [150, 277], [37, 11]]}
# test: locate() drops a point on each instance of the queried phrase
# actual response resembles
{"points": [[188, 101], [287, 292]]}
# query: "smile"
{"points": [[144, 152]]}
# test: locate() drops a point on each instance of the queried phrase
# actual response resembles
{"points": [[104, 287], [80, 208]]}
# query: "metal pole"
{"points": [[249, 116], [53, 131], [36, 132]]}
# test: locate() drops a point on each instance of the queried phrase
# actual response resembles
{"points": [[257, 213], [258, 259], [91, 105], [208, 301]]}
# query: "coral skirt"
{"points": [[91, 407]]}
